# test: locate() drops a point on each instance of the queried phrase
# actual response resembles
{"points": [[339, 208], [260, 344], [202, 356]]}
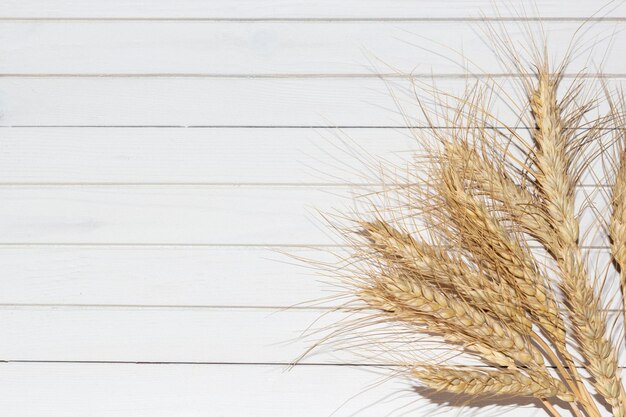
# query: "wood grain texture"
{"points": [[156, 215], [265, 49], [187, 102], [227, 335], [302, 9]]}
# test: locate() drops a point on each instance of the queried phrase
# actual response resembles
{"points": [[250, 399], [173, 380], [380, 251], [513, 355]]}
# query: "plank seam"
{"points": [[140, 307], [272, 364], [313, 19], [329, 127], [452, 76], [202, 245], [297, 185]]}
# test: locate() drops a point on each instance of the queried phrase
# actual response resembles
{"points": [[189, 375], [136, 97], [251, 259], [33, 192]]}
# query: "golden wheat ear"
{"points": [[555, 181], [481, 382], [423, 306], [445, 269]]}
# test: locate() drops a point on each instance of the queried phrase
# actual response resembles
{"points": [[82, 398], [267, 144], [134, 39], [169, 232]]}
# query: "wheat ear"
{"points": [[513, 200], [557, 186], [439, 266], [481, 382], [496, 250], [420, 303]]}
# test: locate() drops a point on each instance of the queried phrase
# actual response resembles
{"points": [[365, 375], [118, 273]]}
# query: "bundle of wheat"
{"points": [[484, 250]]}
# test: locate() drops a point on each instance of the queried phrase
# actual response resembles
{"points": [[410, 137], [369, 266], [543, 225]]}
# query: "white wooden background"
{"points": [[154, 155]]}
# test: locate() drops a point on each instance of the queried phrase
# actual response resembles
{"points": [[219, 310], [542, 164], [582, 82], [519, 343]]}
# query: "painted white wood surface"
{"points": [[124, 48], [189, 215], [213, 156], [225, 390], [225, 156], [173, 335], [188, 276], [271, 277], [158, 158], [125, 334], [229, 102], [302, 9]]}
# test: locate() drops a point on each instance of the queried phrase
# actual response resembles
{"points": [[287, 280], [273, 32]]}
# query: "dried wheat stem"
{"points": [[573, 380], [557, 189], [525, 209], [553, 411], [465, 272], [504, 382]]}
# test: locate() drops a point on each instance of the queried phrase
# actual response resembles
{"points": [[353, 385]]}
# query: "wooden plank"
{"points": [[189, 215], [231, 335], [127, 390], [202, 156], [163, 335], [206, 336], [191, 277], [122, 48], [221, 156], [158, 102], [301, 9], [158, 276], [54, 101]]}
